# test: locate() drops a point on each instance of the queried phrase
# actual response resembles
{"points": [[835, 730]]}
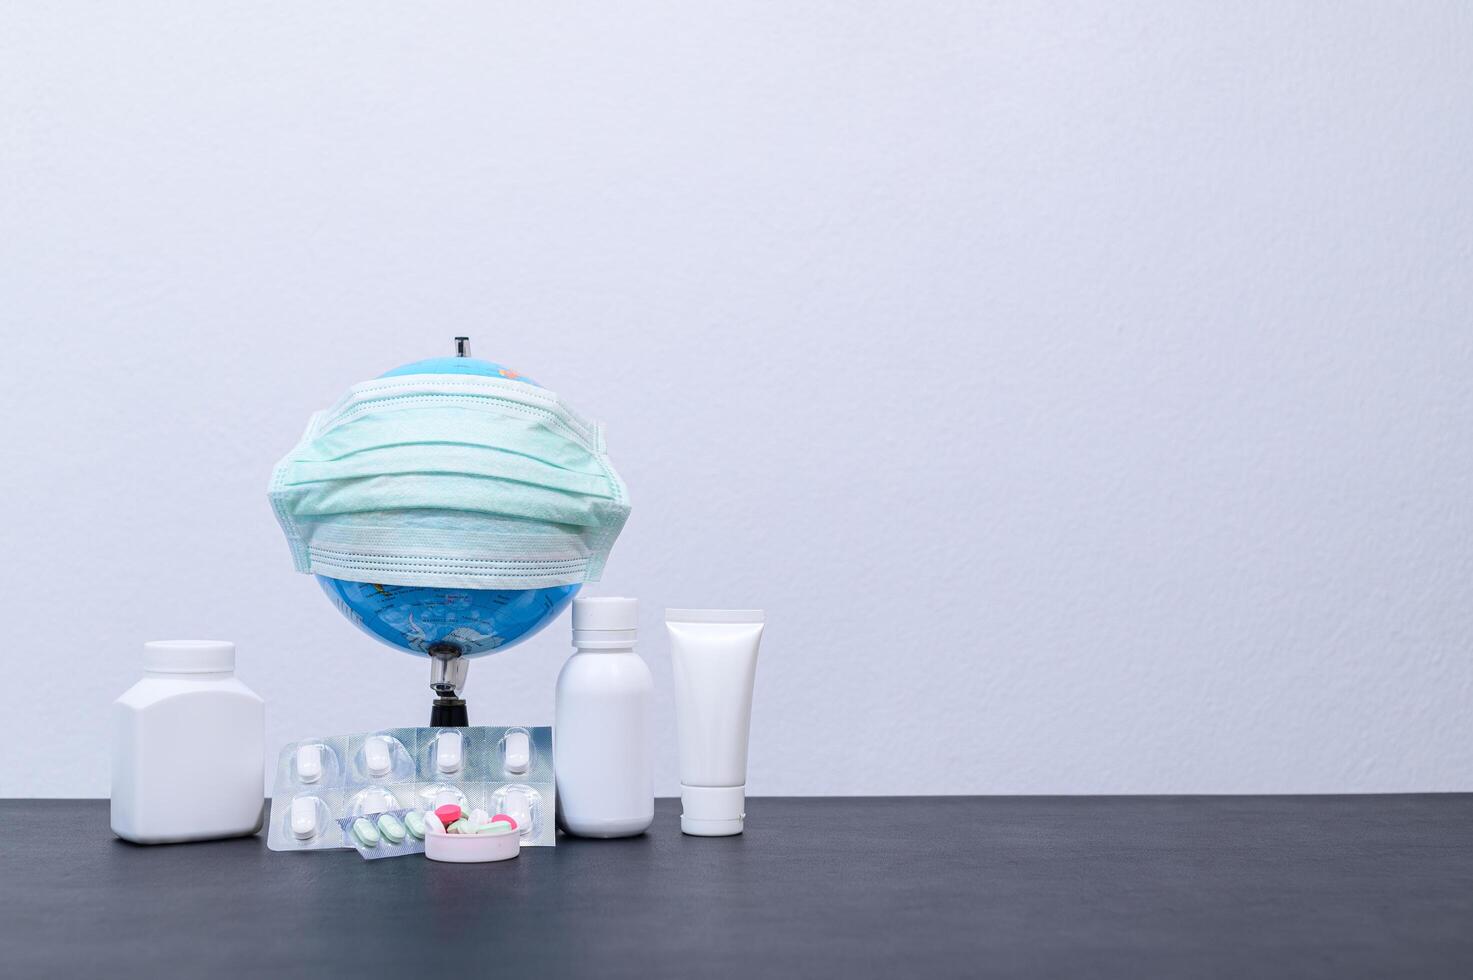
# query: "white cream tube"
{"points": [[714, 655]]}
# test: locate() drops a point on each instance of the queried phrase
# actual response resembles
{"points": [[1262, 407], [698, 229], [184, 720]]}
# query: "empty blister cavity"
{"points": [[523, 804], [371, 801], [434, 795]]}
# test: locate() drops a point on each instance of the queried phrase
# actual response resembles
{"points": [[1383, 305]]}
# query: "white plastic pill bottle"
{"points": [[188, 747], [603, 737]]}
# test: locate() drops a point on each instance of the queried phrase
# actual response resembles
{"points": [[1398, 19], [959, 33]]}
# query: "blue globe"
{"points": [[472, 621]]}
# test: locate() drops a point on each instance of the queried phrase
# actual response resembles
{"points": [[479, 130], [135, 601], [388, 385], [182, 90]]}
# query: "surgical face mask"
{"points": [[450, 481]]}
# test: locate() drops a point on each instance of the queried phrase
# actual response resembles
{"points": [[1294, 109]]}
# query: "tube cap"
{"points": [[189, 656], [712, 811]]}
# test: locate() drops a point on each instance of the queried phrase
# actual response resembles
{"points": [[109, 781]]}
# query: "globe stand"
{"points": [[449, 713], [448, 668]]}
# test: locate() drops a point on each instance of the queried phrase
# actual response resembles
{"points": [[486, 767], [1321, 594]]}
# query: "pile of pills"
{"points": [[452, 819], [369, 831]]}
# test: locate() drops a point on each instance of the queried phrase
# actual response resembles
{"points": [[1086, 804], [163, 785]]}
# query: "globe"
{"points": [[448, 622]]}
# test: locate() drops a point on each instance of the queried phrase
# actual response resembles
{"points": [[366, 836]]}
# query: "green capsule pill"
{"points": [[365, 832], [461, 826], [414, 822], [496, 827], [391, 828]]}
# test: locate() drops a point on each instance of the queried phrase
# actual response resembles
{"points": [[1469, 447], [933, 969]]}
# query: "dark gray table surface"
{"points": [[895, 888]]}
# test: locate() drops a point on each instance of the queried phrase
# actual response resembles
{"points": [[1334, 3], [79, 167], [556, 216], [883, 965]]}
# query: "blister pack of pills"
{"points": [[392, 833], [324, 784]]}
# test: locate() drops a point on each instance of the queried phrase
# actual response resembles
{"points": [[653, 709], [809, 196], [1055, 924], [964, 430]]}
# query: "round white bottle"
{"points": [[603, 739], [188, 747]]}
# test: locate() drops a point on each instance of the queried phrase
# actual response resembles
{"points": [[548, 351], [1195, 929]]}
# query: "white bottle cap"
{"points": [[605, 613], [605, 621], [712, 811], [189, 656]]}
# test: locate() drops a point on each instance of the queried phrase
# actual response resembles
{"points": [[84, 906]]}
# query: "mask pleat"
{"points": [[460, 482]]}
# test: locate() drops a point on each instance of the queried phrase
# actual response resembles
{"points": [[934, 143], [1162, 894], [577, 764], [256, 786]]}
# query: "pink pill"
{"points": [[507, 818], [448, 814]]}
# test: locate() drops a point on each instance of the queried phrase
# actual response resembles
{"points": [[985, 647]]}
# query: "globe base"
{"points": [[449, 713]]}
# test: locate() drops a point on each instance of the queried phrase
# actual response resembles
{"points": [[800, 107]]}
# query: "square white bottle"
{"points": [[188, 747]]}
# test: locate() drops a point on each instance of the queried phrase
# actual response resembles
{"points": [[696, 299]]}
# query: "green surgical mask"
{"points": [[450, 481]]}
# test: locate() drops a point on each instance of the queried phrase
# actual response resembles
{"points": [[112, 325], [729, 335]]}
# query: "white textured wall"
{"points": [[1083, 389]]}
